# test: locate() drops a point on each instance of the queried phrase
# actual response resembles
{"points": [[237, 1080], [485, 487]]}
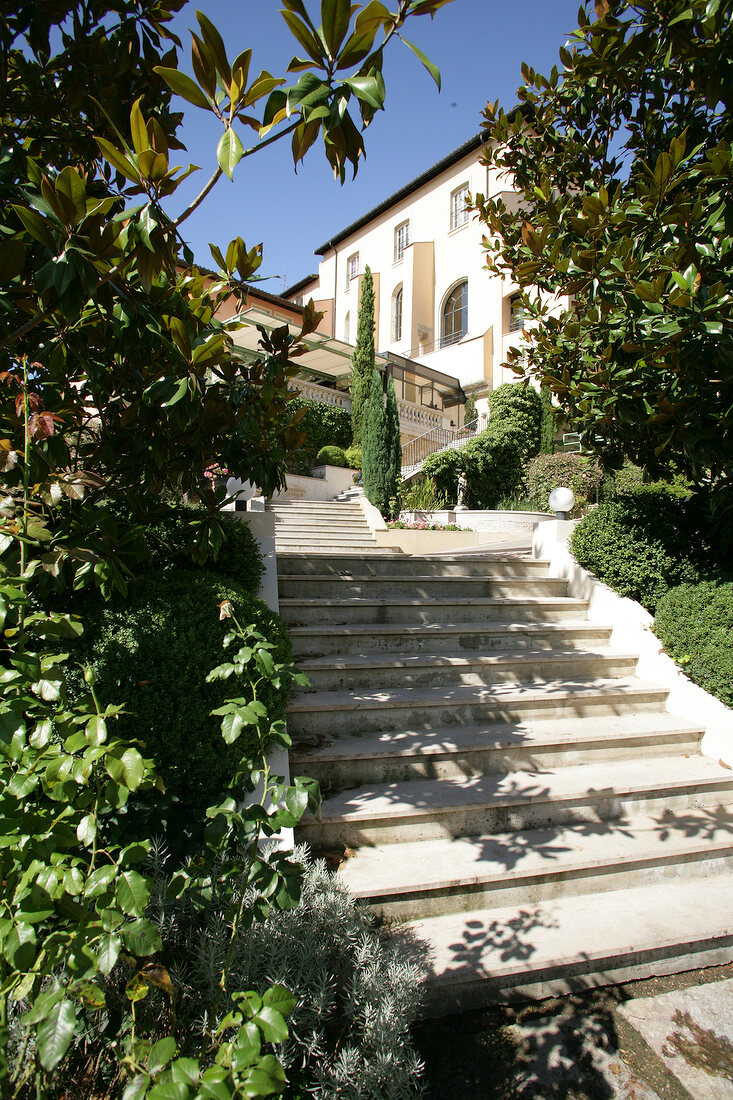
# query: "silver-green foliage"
{"points": [[356, 995]]}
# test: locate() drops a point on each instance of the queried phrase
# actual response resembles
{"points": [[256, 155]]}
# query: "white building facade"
{"points": [[436, 305]]}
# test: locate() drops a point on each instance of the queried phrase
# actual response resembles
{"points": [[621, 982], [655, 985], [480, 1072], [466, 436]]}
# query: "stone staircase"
{"points": [[314, 526], [497, 783]]}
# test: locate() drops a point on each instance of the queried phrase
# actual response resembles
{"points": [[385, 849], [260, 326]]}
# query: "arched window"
{"points": [[347, 327], [397, 314], [455, 315]]}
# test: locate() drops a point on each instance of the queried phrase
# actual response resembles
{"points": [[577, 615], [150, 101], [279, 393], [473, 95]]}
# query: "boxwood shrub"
{"points": [[644, 543], [694, 622], [331, 456], [169, 546], [153, 649]]}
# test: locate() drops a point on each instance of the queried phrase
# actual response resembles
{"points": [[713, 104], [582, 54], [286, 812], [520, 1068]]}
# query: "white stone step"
{"points": [[435, 877], [434, 808], [386, 587], [357, 565], [333, 713], [408, 610], [400, 638], [325, 550], [389, 756], [355, 673], [537, 950]]}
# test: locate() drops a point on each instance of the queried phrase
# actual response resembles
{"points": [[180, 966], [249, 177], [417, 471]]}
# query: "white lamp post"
{"points": [[561, 502]]}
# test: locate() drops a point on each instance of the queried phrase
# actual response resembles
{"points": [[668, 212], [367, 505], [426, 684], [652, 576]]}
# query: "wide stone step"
{"points": [[288, 540], [325, 507], [424, 588], [408, 610], [399, 638], [332, 713], [431, 809], [435, 877], [355, 565], [473, 670], [325, 549], [555, 947], [449, 752]]}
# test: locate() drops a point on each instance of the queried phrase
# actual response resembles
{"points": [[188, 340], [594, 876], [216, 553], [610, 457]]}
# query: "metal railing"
{"points": [[417, 450]]}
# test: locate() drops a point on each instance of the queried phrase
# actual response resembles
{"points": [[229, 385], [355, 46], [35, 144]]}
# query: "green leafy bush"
{"points": [[331, 456], [495, 460], [324, 426], [548, 471], [423, 496], [517, 406], [354, 457], [643, 544], [154, 649], [694, 622]]}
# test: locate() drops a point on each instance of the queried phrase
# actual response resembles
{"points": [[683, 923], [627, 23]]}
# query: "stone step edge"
{"points": [[629, 789], [663, 897], [576, 867], [479, 601], [305, 702], [333, 663], [580, 626], [342, 751]]}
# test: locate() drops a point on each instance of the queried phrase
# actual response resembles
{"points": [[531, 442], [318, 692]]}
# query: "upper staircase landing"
{"points": [[320, 527]]}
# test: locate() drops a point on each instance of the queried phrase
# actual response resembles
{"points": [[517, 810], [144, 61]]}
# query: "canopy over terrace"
{"points": [[327, 362]]}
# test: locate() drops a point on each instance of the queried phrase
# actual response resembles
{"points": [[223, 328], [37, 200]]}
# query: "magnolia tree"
{"points": [[622, 162], [119, 387]]}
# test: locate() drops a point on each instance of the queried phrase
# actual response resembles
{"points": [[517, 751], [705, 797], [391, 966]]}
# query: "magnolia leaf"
{"points": [[229, 152], [432, 69], [184, 86]]}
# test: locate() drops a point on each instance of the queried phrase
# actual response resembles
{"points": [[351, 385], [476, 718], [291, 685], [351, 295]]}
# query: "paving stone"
{"points": [[691, 1032]]}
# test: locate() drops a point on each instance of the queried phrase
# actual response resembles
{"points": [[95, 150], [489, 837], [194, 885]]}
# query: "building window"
{"points": [[352, 268], [455, 315], [347, 328], [397, 314], [517, 313], [401, 240], [458, 206]]}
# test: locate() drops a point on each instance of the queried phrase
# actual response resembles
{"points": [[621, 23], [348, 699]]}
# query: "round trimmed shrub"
{"points": [[153, 649], [694, 622], [353, 457], [548, 471], [643, 544], [331, 456]]}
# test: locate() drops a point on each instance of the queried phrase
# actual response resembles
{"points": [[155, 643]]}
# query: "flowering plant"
{"points": [[420, 525]]}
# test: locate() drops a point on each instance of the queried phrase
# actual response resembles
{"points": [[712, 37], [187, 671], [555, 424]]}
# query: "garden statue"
{"points": [[461, 505]]}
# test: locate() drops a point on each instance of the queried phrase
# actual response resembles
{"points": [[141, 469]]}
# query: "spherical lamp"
{"points": [[561, 501]]}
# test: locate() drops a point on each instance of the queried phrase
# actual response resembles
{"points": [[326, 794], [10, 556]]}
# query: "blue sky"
{"points": [[478, 45]]}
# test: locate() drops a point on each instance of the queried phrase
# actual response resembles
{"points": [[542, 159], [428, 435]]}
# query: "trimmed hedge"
{"points": [[331, 456], [154, 649], [324, 426], [495, 460], [548, 471], [694, 622], [643, 544]]}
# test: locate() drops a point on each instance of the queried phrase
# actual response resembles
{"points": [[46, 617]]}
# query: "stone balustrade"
{"points": [[414, 419]]}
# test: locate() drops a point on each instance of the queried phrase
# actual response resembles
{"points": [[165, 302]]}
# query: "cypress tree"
{"points": [[376, 448], [395, 446], [548, 423], [362, 361]]}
